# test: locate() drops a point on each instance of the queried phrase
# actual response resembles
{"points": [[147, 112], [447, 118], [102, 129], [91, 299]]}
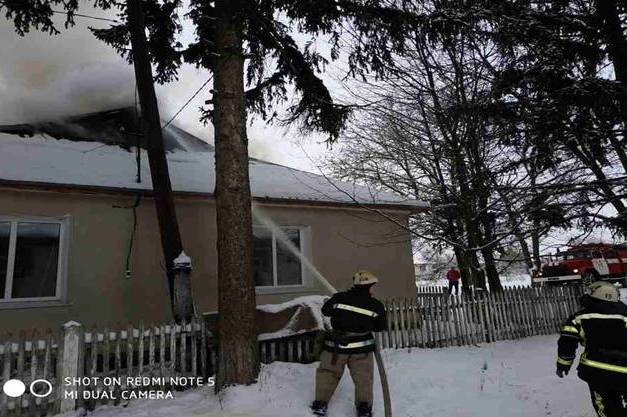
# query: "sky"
{"points": [[43, 77]]}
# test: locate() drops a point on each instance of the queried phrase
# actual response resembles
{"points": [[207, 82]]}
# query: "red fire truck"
{"points": [[585, 264]]}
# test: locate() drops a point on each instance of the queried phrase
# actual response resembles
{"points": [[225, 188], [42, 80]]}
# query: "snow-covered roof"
{"points": [[44, 159]]}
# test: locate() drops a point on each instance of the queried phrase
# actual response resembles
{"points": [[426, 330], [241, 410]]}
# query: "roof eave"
{"points": [[96, 189]]}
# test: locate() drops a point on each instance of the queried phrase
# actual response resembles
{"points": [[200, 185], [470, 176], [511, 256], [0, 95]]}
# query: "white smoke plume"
{"points": [[45, 77]]}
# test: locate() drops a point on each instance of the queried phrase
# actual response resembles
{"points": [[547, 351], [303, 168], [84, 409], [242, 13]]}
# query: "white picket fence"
{"points": [[168, 350], [438, 320], [102, 355], [432, 289]]}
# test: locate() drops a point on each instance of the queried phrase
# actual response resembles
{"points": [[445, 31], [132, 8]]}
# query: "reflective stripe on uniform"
{"points": [[570, 329], [564, 361], [357, 310], [351, 345], [598, 400], [581, 317], [603, 365]]}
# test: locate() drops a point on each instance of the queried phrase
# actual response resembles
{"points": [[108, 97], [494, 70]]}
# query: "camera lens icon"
{"points": [[15, 388], [36, 384]]}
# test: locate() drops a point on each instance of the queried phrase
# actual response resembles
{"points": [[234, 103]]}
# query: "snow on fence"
{"points": [[161, 351], [441, 320]]}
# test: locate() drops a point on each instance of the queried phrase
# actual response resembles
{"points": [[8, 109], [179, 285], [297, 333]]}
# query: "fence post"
{"points": [[70, 363]]}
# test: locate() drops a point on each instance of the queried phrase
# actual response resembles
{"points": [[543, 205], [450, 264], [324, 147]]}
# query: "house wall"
{"points": [[98, 293]]}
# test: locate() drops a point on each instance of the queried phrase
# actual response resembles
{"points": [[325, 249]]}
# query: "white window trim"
{"points": [[304, 234], [60, 296]]}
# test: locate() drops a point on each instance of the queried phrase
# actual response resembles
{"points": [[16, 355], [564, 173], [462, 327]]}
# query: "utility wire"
{"points": [[87, 16], [117, 21], [187, 102]]}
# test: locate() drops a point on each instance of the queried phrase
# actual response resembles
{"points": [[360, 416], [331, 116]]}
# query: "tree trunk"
{"points": [[614, 35], [535, 246], [238, 349], [487, 251], [492, 272], [471, 262], [178, 282], [513, 219]]}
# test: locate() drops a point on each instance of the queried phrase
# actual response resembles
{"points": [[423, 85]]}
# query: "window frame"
{"points": [[61, 284], [303, 232]]}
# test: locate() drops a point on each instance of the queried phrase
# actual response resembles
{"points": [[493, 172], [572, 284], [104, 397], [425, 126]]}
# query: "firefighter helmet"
{"points": [[364, 277], [602, 290]]}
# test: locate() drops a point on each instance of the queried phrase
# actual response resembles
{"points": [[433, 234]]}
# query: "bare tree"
{"points": [[427, 132]]}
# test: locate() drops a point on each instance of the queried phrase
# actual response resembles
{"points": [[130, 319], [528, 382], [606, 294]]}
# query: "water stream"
{"points": [[266, 221]]}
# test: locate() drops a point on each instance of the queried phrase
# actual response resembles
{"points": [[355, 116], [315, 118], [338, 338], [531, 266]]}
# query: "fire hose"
{"points": [[385, 388]]}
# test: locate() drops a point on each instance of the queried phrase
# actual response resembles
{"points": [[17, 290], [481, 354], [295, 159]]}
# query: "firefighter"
{"points": [[601, 327], [355, 314]]}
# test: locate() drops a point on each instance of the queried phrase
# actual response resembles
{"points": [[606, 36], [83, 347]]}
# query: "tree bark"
{"points": [[179, 283], [535, 246], [471, 261], [487, 252], [238, 349], [614, 35]]}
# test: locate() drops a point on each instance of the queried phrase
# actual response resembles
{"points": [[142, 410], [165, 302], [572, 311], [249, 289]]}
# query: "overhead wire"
{"points": [[87, 16], [187, 102]]}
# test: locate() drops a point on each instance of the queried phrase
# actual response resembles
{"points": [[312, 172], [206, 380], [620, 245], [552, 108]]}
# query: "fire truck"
{"points": [[584, 264]]}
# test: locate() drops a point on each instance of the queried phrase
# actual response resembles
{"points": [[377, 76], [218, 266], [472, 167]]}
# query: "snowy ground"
{"points": [[511, 378]]}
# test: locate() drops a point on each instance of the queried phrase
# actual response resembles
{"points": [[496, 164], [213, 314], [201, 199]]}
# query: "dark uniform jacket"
{"points": [[601, 327], [355, 314]]}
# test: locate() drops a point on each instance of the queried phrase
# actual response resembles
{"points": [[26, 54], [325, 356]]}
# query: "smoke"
{"points": [[45, 77]]}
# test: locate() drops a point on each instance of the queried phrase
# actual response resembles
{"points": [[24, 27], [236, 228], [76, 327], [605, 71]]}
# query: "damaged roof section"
{"points": [[91, 152], [121, 127]]}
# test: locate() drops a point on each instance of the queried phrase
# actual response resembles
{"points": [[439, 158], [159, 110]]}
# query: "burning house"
{"points": [[79, 238]]}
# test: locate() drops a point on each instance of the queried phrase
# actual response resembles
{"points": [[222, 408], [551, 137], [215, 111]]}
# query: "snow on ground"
{"points": [[510, 378]]}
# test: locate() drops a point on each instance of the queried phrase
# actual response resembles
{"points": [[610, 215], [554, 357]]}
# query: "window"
{"points": [[31, 256], [576, 255], [274, 264]]}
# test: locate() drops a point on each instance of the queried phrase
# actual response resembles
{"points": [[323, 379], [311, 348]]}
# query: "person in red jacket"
{"points": [[453, 276]]}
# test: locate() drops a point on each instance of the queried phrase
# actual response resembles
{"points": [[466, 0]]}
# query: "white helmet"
{"points": [[602, 290], [364, 277]]}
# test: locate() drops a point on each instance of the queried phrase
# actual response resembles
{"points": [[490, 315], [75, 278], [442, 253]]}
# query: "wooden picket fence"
{"points": [[161, 351], [28, 360], [439, 320], [431, 289], [432, 319], [299, 348]]}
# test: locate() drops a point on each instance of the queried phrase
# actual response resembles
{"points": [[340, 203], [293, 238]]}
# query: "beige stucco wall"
{"points": [[340, 241]]}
